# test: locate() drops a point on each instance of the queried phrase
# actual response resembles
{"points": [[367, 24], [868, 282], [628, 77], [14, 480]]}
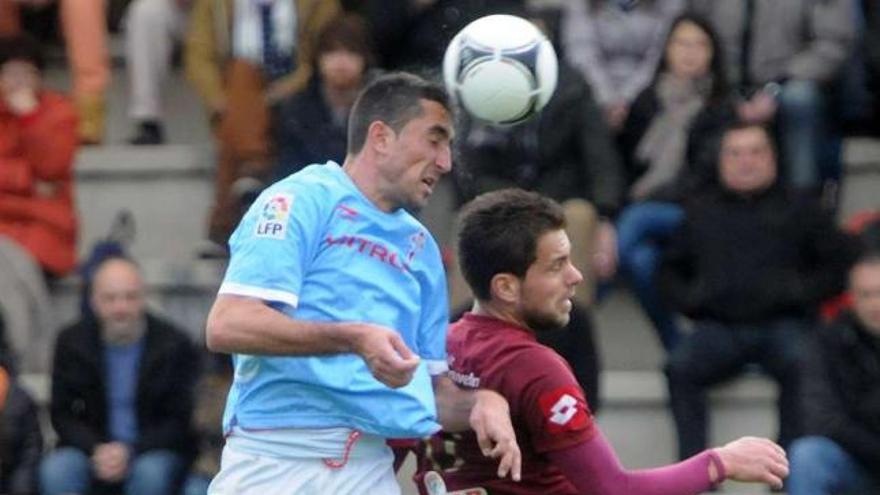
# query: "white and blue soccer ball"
{"points": [[501, 69]]}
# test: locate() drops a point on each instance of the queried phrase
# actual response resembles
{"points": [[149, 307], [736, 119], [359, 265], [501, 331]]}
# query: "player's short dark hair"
{"points": [[21, 47], [499, 232], [394, 99]]}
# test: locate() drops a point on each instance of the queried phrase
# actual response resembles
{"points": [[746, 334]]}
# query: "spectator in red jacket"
{"points": [[38, 139]]}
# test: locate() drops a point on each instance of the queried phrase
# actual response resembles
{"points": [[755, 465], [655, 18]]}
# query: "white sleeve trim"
{"points": [[272, 295], [436, 367]]}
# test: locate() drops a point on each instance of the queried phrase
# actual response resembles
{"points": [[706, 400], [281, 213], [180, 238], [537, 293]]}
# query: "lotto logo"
{"points": [[564, 411]]}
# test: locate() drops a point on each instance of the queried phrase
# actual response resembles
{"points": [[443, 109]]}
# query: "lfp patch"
{"points": [[273, 217]]}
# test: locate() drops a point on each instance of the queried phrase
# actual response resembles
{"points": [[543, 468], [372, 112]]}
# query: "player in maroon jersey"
{"points": [[515, 256]]}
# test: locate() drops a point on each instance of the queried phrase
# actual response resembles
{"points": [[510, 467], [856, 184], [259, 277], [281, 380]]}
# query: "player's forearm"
{"points": [[593, 467], [454, 404], [248, 326]]}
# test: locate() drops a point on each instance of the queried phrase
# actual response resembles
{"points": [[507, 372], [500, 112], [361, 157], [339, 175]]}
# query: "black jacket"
{"points": [[842, 389], [564, 152], [166, 377], [746, 259], [21, 442]]}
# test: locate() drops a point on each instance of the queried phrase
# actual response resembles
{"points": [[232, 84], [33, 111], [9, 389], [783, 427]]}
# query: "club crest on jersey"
{"points": [[563, 411], [273, 216], [416, 244]]}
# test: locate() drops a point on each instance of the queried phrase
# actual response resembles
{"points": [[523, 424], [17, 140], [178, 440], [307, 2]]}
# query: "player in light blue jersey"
{"points": [[334, 306]]}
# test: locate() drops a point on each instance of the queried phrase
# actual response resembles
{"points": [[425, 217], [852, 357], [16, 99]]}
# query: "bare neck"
{"points": [[497, 311], [363, 172]]}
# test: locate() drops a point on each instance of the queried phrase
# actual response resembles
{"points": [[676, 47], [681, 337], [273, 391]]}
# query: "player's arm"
{"points": [[488, 414], [562, 428], [245, 325], [593, 467]]}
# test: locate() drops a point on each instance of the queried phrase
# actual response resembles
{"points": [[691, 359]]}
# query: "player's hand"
{"points": [[490, 420], [389, 359], [754, 459]]}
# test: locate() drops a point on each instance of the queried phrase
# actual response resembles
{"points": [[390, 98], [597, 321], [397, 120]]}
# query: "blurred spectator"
{"points": [[866, 225], [749, 266], [616, 45], [243, 56], [37, 217], [666, 140], [311, 126], [21, 441], [84, 26], [782, 57], [122, 394], [211, 391], [841, 400], [84, 23], [37, 146], [565, 152], [151, 29]]}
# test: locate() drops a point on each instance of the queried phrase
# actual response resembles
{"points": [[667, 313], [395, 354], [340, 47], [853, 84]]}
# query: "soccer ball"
{"points": [[501, 69]]}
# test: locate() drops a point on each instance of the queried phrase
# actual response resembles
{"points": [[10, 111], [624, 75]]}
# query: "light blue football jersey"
{"points": [[315, 248]]}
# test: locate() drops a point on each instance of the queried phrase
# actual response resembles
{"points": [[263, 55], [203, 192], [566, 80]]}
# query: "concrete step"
{"points": [[625, 337], [168, 189]]}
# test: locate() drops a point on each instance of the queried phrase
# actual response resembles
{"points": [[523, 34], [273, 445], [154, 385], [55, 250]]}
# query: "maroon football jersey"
{"points": [[547, 406]]}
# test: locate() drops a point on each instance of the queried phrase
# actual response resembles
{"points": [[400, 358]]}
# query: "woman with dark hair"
{"points": [[310, 126], [666, 142]]}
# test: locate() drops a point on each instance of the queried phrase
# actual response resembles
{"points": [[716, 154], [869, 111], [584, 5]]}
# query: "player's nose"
{"points": [[444, 159]]}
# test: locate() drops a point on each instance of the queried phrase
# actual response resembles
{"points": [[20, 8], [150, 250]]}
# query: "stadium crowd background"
{"points": [[811, 75]]}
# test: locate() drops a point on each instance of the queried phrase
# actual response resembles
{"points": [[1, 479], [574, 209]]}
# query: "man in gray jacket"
{"points": [[781, 57]]}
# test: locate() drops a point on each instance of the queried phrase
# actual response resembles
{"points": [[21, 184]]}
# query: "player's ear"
{"points": [[505, 288], [380, 137]]}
